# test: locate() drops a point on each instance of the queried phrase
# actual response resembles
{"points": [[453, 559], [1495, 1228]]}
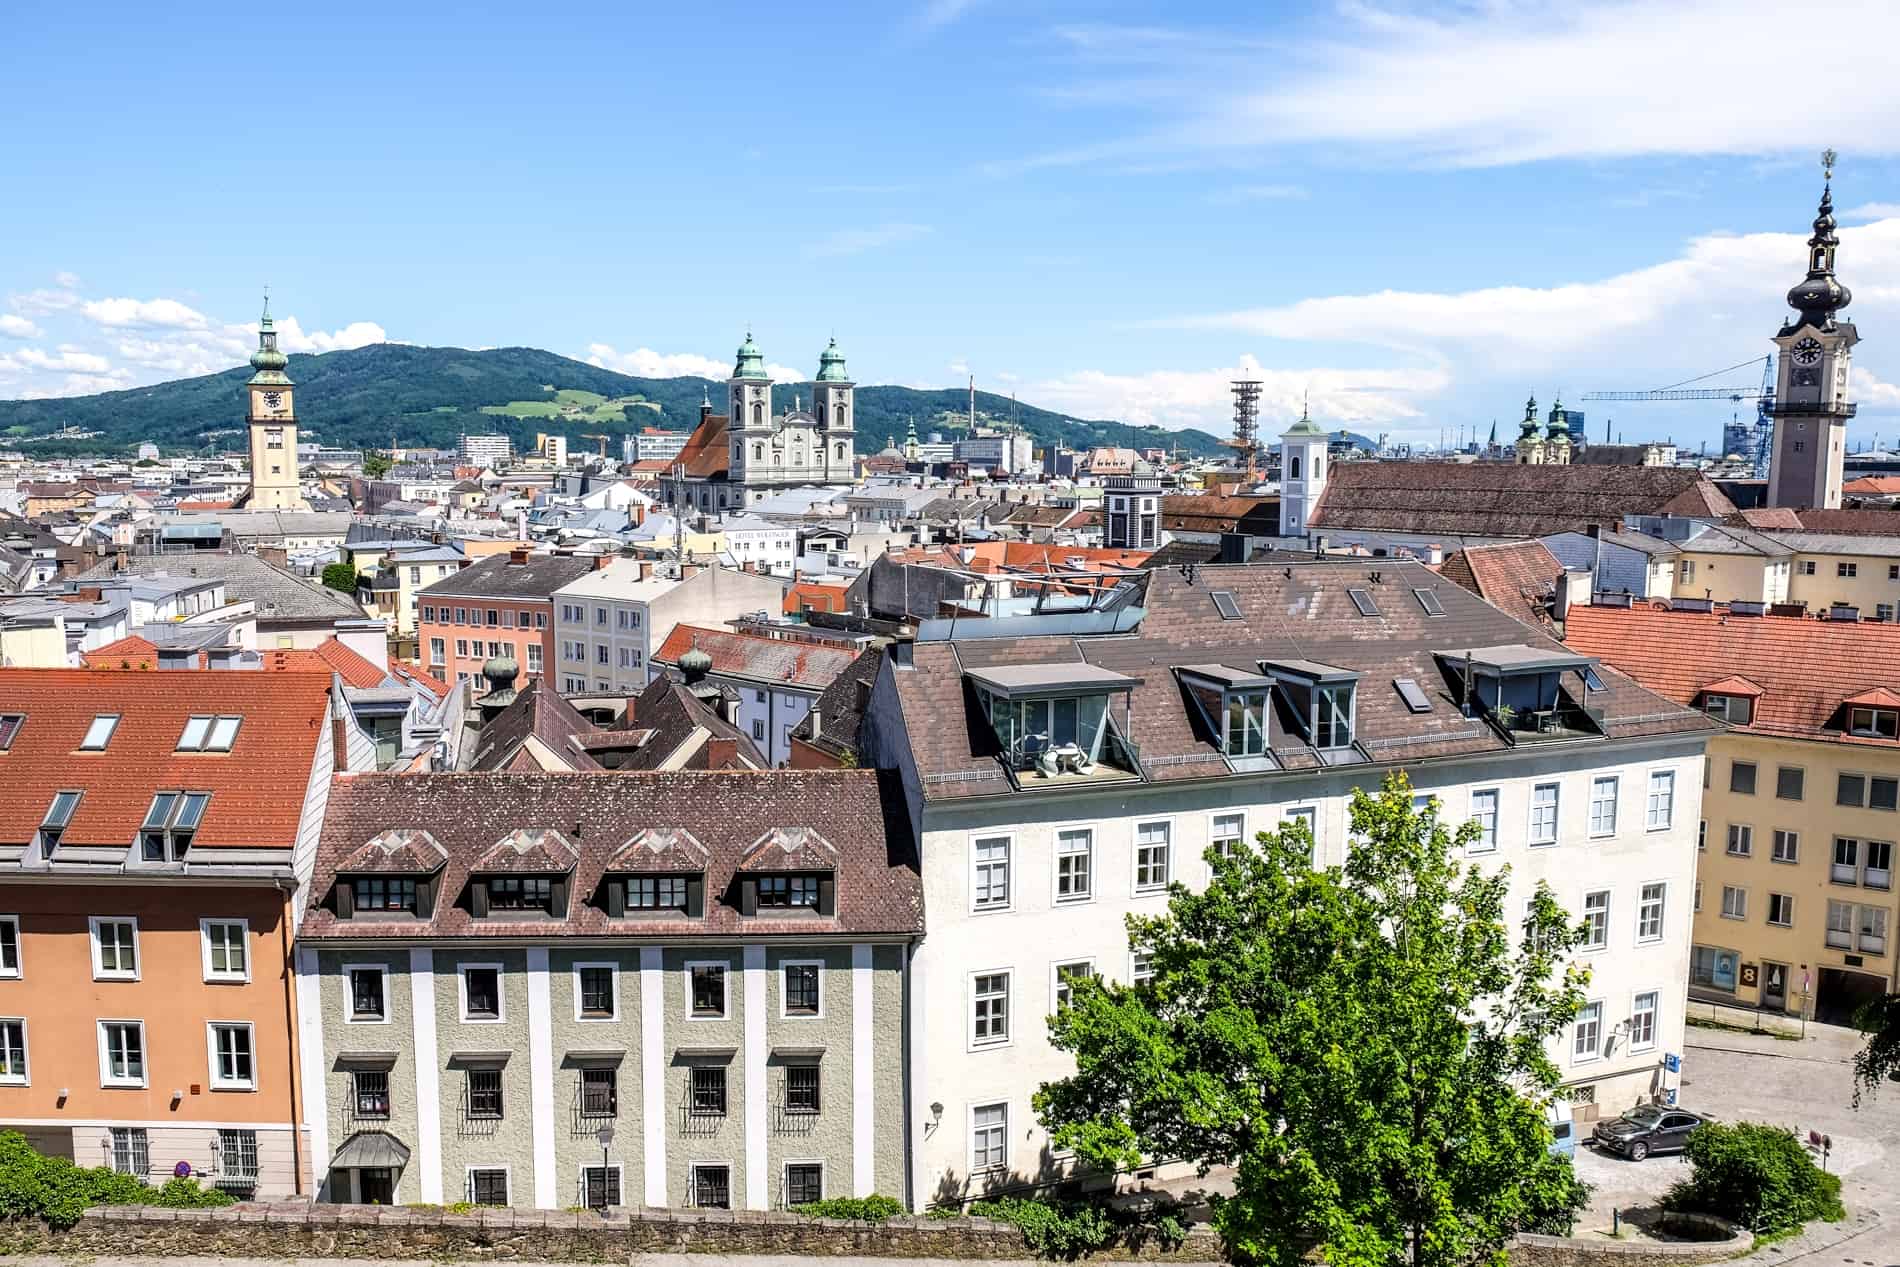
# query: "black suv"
{"points": [[1651, 1128]]}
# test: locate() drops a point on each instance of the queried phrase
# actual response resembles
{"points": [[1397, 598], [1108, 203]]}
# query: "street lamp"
{"points": [[606, 1137]]}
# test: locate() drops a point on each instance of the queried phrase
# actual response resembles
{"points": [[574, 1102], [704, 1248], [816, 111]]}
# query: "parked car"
{"points": [[1563, 1131], [1650, 1128]]}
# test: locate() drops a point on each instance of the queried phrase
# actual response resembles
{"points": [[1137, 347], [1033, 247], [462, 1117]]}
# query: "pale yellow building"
{"points": [[1795, 907], [1726, 564], [1833, 569], [272, 423]]}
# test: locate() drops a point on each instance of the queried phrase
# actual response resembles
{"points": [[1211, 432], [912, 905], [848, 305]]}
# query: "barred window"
{"points": [[801, 989], [712, 1187], [131, 1151], [709, 1091], [488, 1187], [484, 1094], [801, 1089], [372, 1093], [804, 1183]]}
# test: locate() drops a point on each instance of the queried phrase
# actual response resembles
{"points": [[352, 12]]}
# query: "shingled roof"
{"points": [[506, 576], [1518, 577], [707, 454], [757, 658], [1804, 669], [1298, 612], [879, 892], [1505, 500]]}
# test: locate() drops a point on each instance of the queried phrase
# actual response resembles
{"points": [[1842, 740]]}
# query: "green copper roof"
{"points": [[1559, 420], [750, 362], [831, 365], [1305, 426], [1527, 430], [268, 360]]}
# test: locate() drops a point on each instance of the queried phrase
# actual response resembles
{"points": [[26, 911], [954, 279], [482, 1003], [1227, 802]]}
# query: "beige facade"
{"points": [[275, 483], [1795, 905], [1727, 577], [1859, 572]]}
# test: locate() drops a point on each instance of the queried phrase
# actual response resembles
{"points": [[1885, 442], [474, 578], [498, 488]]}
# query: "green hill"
{"points": [[429, 396]]}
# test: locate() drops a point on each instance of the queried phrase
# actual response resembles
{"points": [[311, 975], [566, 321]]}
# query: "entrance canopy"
{"points": [[371, 1150]]}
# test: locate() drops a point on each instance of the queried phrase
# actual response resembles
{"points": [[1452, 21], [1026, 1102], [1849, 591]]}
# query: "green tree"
{"points": [[1365, 1046], [1757, 1175], [340, 576], [1878, 1060], [376, 465]]}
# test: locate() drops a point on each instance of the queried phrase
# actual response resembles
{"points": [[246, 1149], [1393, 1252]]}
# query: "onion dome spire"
{"points": [[831, 365], [269, 361], [749, 363], [1819, 296], [1527, 430], [1559, 425]]}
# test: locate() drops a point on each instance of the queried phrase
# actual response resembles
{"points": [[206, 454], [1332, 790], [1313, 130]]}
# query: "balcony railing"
{"points": [[1843, 873], [1840, 939], [700, 1123], [1874, 943]]}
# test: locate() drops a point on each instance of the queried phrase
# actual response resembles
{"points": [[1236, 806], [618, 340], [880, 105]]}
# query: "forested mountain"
{"points": [[368, 396]]}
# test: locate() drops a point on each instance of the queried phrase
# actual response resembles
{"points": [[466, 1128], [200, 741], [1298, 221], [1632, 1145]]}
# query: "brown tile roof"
{"points": [[1211, 513], [537, 712], [1301, 611], [809, 665], [1767, 517], [257, 788], [1518, 577], [707, 454], [1502, 499], [840, 709], [500, 577], [670, 714], [1806, 669], [1871, 523], [878, 890]]}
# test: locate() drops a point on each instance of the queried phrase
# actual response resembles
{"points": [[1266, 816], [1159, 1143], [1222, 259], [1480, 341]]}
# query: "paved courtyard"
{"points": [[1805, 1085]]}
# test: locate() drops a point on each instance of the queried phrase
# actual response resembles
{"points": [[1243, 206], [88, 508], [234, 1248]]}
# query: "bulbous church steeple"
{"points": [[269, 361], [1820, 295]]}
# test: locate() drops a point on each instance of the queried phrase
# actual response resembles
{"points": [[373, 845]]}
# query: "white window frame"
{"points": [[1615, 784], [1487, 842], [105, 1068], [1056, 896], [1655, 1018], [1592, 942], [1742, 833], [1135, 976], [1001, 1166], [580, 1017], [1311, 814], [1214, 836], [217, 1082], [1556, 816], [785, 1176], [225, 977], [99, 972], [1055, 978], [779, 977], [1166, 823], [1662, 911], [110, 723], [1009, 877], [971, 1041], [1778, 836], [347, 973], [507, 1178], [1788, 899], [1742, 892], [725, 989], [1661, 783], [25, 1076], [461, 994], [18, 969], [1595, 1052]]}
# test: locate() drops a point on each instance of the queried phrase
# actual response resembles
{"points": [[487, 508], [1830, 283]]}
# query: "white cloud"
{"points": [[1203, 398], [68, 358], [17, 327], [79, 385], [157, 313], [856, 241], [40, 302], [934, 15], [1505, 81], [1872, 211], [960, 367], [1873, 392], [292, 337], [646, 363], [66, 281]]}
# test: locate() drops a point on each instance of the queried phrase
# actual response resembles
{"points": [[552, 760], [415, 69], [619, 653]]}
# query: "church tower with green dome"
{"points": [[833, 399], [272, 423], [749, 420]]}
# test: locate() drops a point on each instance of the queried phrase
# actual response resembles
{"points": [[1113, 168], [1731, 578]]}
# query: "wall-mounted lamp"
{"points": [[178, 1096], [936, 1115]]}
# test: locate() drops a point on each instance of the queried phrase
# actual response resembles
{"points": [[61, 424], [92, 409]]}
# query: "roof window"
{"points": [[1737, 710], [170, 824], [1224, 604], [58, 814], [99, 734], [1362, 599], [209, 734], [1415, 699], [10, 724], [1428, 599], [1873, 723]]}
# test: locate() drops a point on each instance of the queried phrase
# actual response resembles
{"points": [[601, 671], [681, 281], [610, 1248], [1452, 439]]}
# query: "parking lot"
{"points": [[1805, 1085]]}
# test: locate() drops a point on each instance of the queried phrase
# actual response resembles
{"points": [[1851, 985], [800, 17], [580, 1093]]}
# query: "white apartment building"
{"points": [[492, 450], [609, 624], [760, 544], [775, 680], [1108, 766]]}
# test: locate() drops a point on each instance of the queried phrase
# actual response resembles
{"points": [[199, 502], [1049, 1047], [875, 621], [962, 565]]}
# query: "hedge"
{"points": [[1757, 1175], [58, 1191]]}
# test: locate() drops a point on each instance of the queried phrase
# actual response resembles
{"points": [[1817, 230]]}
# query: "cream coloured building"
{"points": [[272, 423]]}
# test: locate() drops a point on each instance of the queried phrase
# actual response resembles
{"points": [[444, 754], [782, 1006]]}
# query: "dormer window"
{"points": [[170, 824], [657, 892], [208, 734], [1737, 710], [1874, 723], [58, 814], [1057, 720], [789, 892], [1324, 701], [374, 894], [1332, 715], [1527, 692], [520, 892], [1233, 703]]}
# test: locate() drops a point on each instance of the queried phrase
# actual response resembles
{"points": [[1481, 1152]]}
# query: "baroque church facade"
{"points": [[743, 456]]}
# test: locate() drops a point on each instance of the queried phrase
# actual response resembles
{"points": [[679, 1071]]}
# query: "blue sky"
{"points": [[1415, 216]]}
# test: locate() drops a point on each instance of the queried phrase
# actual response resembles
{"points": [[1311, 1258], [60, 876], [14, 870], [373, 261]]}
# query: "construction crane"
{"points": [[595, 435], [1763, 396]]}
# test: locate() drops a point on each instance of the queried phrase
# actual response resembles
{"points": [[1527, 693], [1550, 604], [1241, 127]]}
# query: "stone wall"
{"points": [[296, 1230]]}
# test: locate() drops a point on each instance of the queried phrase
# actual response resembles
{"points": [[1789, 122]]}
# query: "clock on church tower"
{"points": [[1811, 405], [275, 482]]}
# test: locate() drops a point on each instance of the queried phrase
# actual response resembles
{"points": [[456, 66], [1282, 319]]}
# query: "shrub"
{"points": [[1054, 1229], [1756, 1175], [340, 576], [56, 1190], [871, 1209]]}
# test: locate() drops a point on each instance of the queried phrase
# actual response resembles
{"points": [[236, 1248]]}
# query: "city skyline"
{"points": [[1107, 211]]}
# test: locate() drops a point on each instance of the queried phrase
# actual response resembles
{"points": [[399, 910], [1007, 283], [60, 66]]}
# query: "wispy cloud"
{"points": [[1258, 193], [934, 15], [17, 327], [1496, 83], [1872, 211], [1202, 397], [857, 241], [647, 363], [168, 313]]}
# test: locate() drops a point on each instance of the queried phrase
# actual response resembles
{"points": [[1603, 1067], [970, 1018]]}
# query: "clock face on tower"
{"points": [[1807, 351], [273, 399]]}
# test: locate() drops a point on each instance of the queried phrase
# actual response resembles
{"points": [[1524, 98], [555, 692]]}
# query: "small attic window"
{"points": [[1415, 699], [10, 724], [1873, 723], [1737, 710], [1362, 599], [99, 734], [1428, 599], [1224, 604]]}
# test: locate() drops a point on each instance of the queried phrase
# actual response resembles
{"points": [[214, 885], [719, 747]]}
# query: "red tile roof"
{"points": [[824, 598], [1806, 669], [1516, 576], [257, 789], [130, 651], [327, 656], [754, 656], [706, 453], [1874, 485]]}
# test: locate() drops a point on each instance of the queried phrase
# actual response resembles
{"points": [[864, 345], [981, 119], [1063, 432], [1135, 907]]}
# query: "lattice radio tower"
{"points": [[1247, 423]]}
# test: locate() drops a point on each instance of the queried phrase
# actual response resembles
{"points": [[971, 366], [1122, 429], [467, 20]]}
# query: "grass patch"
{"points": [[1724, 1027]]}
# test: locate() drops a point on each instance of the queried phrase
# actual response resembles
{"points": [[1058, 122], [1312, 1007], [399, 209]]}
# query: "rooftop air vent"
{"points": [[1692, 604], [1740, 607]]}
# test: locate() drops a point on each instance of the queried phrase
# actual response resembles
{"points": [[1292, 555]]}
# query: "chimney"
{"points": [[518, 556], [368, 638], [720, 752], [817, 720], [602, 560]]}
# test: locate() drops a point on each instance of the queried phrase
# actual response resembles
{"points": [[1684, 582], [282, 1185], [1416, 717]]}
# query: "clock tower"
{"points": [[1811, 390], [272, 422]]}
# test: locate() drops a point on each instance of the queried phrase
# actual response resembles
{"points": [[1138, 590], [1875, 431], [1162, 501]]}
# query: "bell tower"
{"points": [[1303, 456], [1811, 387], [832, 400], [272, 422], [749, 422]]}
